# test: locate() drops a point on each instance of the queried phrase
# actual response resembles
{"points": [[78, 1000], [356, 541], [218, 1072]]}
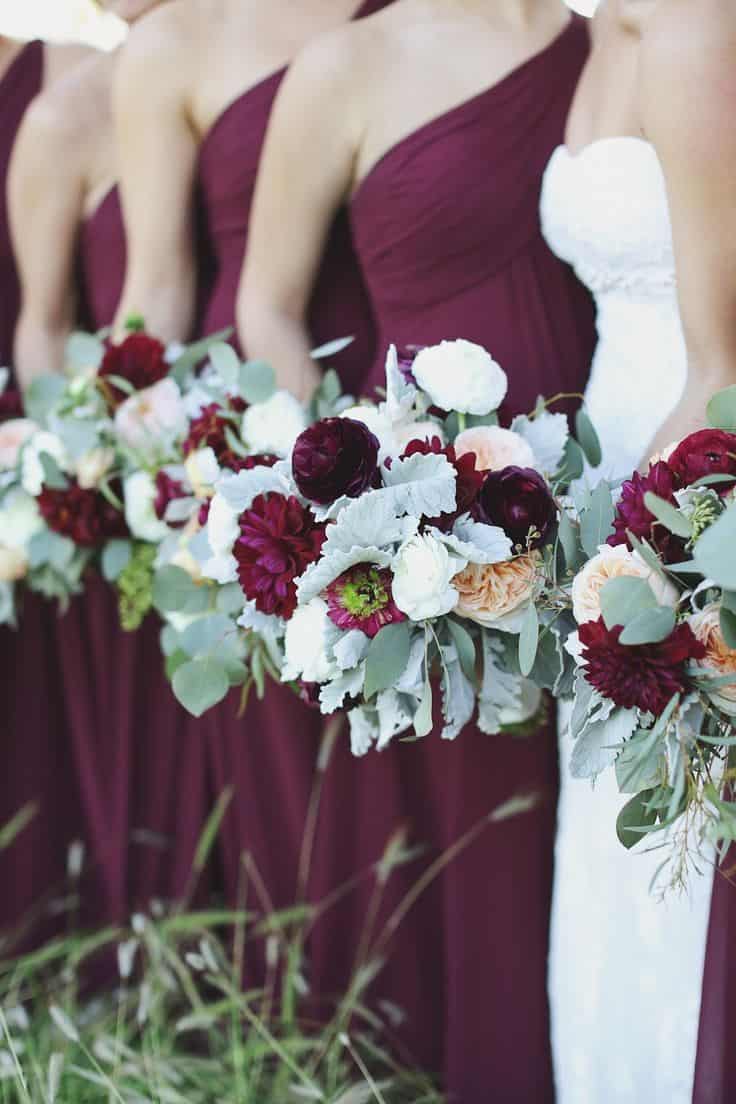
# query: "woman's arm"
{"points": [[45, 196], [688, 86], [305, 175], [157, 148]]}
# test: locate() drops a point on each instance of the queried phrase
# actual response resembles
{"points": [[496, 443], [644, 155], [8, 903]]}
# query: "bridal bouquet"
{"points": [[655, 646], [404, 540]]}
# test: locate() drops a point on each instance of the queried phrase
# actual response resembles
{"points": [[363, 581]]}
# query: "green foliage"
{"points": [[588, 438], [714, 552], [722, 410], [134, 582], [624, 599], [596, 522], [387, 657], [201, 683], [257, 381], [528, 640]]}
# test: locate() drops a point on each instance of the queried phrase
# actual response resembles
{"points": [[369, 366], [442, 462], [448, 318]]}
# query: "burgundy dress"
{"points": [[36, 766], [446, 227], [715, 1067], [136, 751], [269, 756]]}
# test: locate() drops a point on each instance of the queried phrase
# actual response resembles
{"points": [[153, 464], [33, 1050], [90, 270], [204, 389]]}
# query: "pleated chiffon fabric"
{"points": [[446, 228]]}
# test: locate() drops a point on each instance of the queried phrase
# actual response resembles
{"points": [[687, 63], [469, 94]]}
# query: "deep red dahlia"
{"points": [[468, 484], [278, 540], [11, 405], [85, 516], [139, 359], [334, 457], [362, 598], [633, 516], [208, 430], [644, 676], [168, 490], [707, 452]]}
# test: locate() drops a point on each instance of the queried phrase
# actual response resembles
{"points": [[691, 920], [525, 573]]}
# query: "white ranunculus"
{"points": [[139, 491], [222, 526], [458, 375], [418, 431], [20, 520], [379, 423], [149, 416], [613, 563], [304, 645], [273, 426], [13, 435], [32, 475], [423, 570], [202, 470], [93, 466]]}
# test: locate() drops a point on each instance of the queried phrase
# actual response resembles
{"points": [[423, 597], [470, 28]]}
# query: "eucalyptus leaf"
{"points": [[528, 640], [714, 552], [573, 460], [624, 598], [728, 599], [596, 523], [115, 558], [649, 627], [53, 476], [569, 536], [387, 657], [722, 410], [200, 684], [83, 352], [196, 352], [634, 819], [465, 646], [226, 363], [257, 381], [728, 626], [588, 438], [215, 634], [331, 348], [174, 591], [641, 764], [41, 397], [668, 515], [423, 715]]}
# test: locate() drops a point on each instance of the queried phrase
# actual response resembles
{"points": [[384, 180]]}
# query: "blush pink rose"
{"points": [[150, 414], [13, 435], [721, 659], [495, 448]]}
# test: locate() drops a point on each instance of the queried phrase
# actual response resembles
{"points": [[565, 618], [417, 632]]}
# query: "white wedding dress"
{"points": [[625, 966]]}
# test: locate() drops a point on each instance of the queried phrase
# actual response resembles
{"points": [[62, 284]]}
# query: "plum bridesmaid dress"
{"points": [[446, 227], [36, 767], [269, 757], [136, 751], [715, 1066]]}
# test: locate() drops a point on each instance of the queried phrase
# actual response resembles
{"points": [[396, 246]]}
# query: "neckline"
{"points": [[274, 76], [478, 97], [27, 48], [596, 143]]}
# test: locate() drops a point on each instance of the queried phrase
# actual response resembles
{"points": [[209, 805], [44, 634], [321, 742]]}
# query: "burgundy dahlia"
{"points": [[519, 501], [633, 516], [361, 598], [85, 516], [334, 457], [707, 452], [11, 405], [643, 676], [208, 430], [168, 490], [278, 540], [468, 483], [139, 359]]}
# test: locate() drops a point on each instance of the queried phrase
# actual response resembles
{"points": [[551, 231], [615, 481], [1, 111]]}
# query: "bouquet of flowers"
{"points": [[654, 598], [405, 540]]}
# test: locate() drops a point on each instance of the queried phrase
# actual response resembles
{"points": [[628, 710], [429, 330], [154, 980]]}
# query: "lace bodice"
{"points": [[605, 211]]}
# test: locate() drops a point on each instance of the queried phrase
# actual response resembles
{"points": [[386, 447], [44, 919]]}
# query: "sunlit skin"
{"points": [[368, 85], [66, 137], [183, 66]]}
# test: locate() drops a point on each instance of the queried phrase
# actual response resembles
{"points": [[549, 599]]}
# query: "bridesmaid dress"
{"points": [[136, 750], [715, 1066], [446, 227], [35, 756], [269, 757]]}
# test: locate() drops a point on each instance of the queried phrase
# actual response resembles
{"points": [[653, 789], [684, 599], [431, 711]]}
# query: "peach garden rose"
{"points": [[495, 448], [612, 563], [490, 592], [706, 625]]}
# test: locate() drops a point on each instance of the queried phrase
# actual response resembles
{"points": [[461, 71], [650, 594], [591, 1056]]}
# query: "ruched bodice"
{"points": [[447, 228], [20, 84], [102, 262], [605, 211]]}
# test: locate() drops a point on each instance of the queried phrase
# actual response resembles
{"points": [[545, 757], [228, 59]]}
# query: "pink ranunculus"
{"points": [[156, 412], [495, 448], [13, 435]]}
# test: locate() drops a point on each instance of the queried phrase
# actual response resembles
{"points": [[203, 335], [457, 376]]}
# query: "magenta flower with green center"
{"points": [[361, 598]]}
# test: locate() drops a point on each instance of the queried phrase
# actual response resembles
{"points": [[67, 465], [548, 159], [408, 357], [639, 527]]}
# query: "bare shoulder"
{"points": [[340, 67], [71, 113], [160, 50]]}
